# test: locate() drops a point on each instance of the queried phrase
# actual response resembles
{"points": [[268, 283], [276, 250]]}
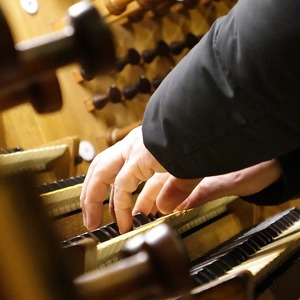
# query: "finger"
{"points": [[147, 197], [96, 187], [125, 184], [174, 192], [111, 203], [204, 192], [154, 209], [87, 179]]}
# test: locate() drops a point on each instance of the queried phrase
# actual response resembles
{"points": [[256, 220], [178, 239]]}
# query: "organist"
{"points": [[229, 107]]}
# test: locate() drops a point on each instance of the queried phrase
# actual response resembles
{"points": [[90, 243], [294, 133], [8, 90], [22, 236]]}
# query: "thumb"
{"points": [[174, 192]]}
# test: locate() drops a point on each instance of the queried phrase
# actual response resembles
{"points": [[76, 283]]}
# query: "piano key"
{"points": [[248, 247], [206, 273], [76, 239], [259, 240], [295, 213], [224, 265], [90, 235], [217, 268], [264, 236], [239, 254], [250, 243], [280, 224], [60, 184], [152, 217], [201, 278], [254, 244], [102, 235], [142, 219], [293, 216], [286, 220], [65, 243], [272, 232], [108, 250], [111, 230]]}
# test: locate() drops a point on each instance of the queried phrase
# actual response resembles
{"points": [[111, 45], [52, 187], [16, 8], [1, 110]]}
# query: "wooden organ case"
{"points": [[74, 99]]}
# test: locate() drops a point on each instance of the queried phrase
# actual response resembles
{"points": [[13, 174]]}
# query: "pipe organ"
{"points": [[75, 79]]}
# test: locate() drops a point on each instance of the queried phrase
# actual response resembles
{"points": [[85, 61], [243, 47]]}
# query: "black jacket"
{"points": [[233, 101]]}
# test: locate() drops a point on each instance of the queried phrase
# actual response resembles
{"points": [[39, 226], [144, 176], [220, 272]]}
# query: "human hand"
{"points": [[128, 163], [124, 165], [155, 196]]}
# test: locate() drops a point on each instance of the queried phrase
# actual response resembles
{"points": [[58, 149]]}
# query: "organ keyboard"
{"points": [[110, 242], [30, 160], [258, 251], [225, 258], [243, 262]]}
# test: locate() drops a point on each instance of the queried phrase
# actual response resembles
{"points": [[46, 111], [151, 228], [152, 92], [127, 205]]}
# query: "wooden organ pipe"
{"points": [[190, 4], [155, 267], [139, 14], [132, 57], [156, 81], [117, 7], [113, 95], [162, 8], [143, 86], [29, 66], [161, 49], [189, 42], [114, 135]]}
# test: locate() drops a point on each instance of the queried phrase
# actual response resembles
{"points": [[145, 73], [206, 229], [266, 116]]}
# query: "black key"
{"points": [[111, 230], [280, 224], [76, 239], [102, 235], [253, 244], [206, 273], [264, 237], [201, 277], [72, 181], [224, 265], [272, 231], [287, 221], [65, 243], [258, 240], [230, 260], [216, 268], [62, 184], [44, 188], [248, 248], [240, 253], [142, 218], [90, 235], [296, 212], [136, 222], [293, 216], [114, 226], [151, 217]]}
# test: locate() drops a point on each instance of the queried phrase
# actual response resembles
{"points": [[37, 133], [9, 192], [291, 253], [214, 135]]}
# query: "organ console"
{"points": [[225, 248]]}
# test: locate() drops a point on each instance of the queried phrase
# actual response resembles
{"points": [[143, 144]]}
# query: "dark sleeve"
{"points": [[233, 101], [286, 188]]}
